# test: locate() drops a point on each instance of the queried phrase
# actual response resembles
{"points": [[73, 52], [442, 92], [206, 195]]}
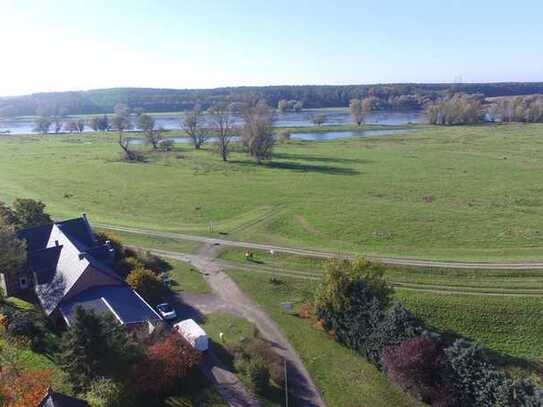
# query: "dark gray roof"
{"points": [[79, 231], [44, 263], [54, 399], [36, 238], [121, 301]]}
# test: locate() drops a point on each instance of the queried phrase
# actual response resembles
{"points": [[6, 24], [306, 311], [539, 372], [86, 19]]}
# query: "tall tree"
{"points": [[96, 346], [29, 213], [146, 123], [121, 122], [222, 123], [193, 124], [42, 124], [257, 130], [357, 112], [12, 251]]}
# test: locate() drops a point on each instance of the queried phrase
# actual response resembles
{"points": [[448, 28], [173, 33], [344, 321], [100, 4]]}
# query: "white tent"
{"points": [[193, 333]]}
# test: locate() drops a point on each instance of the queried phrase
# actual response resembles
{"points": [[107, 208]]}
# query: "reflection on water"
{"points": [[24, 125]]}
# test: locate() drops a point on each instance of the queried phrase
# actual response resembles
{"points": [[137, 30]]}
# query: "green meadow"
{"points": [[466, 192]]}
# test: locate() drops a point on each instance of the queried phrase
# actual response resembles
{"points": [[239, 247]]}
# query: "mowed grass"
{"points": [[465, 192], [184, 277], [343, 377], [513, 281], [507, 325]]}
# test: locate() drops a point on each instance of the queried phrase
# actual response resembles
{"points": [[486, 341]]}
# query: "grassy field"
{"points": [[343, 377], [507, 325], [153, 242], [470, 192], [184, 277], [513, 281], [510, 325]]}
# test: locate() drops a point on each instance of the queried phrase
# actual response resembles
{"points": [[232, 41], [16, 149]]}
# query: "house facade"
{"points": [[69, 268]]}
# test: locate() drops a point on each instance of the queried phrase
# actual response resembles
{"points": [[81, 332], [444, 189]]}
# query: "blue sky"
{"points": [[72, 44]]}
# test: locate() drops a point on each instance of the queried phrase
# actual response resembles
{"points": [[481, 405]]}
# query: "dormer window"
{"points": [[23, 283]]}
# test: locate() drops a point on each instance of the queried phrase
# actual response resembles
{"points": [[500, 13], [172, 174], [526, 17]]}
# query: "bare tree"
{"points": [[221, 120], [193, 126], [357, 111], [74, 126], [121, 122], [42, 125], [152, 135], [257, 131]]}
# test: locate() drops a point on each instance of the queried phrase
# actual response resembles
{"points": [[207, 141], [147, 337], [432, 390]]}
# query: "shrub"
{"points": [[104, 392], [396, 326], [283, 136], [305, 311], [477, 381], [147, 284], [418, 365], [258, 374], [27, 325]]}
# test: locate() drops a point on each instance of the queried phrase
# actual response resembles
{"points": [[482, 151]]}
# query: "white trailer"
{"points": [[193, 333]]}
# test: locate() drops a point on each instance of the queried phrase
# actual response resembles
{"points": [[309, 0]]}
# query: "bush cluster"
{"points": [[353, 303]]}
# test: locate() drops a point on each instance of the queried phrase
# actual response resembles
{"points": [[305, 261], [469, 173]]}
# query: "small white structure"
{"points": [[193, 333]]}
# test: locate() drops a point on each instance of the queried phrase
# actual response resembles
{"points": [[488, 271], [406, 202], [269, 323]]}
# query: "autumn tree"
{"points": [[351, 299], [193, 124], [257, 130], [19, 386], [222, 124], [147, 284], [166, 362], [105, 392]]}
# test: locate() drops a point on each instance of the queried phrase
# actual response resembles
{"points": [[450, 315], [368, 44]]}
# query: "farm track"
{"points": [[397, 261], [313, 276]]}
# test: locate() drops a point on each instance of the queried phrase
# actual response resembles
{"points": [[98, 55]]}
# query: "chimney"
{"points": [[56, 243]]}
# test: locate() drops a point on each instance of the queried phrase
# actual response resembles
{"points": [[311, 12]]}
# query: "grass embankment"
{"points": [[490, 281], [465, 192], [511, 325], [343, 377]]}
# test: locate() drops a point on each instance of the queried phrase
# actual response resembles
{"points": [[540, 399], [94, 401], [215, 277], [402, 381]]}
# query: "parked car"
{"points": [[166, 311]]}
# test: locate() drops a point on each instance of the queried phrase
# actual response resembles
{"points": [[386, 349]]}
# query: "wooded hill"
{"points": [[392, 96]]}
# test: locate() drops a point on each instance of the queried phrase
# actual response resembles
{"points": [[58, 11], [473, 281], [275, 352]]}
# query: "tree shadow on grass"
{"points": [[318, 158], [299, 167]]}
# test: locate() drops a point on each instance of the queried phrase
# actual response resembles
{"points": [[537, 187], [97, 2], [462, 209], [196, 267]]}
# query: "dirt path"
{"points": [[304, 275], [227, 297], [325, 254]]}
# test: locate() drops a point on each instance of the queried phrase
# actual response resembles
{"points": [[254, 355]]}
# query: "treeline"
{"points": [[389, 97], [469, 109]]}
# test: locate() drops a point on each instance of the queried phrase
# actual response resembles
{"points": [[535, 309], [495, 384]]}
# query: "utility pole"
{"points": [[286, 382]]}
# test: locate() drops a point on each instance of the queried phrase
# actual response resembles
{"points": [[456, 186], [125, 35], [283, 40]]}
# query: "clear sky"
{"points": [[59, 45]]}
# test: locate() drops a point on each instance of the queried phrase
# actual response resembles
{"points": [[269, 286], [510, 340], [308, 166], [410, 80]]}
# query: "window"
{"points": [[23, 282]]}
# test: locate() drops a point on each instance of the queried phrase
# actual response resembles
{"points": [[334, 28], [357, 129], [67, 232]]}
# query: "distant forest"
{"points": [[388, 97]]}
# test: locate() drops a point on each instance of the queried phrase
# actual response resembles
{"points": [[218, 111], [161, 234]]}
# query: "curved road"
{"points": [[398, 261]]}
